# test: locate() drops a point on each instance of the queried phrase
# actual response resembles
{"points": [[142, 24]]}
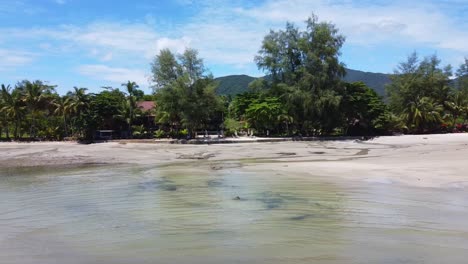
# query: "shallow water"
{"points": [[181, 215]]}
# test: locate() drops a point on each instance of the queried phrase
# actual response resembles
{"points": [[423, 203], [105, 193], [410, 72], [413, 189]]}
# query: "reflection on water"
{"points": [[177, 215]]}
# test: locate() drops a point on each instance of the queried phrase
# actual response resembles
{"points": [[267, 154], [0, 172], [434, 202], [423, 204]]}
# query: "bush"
{"points": [[160, 133], [229, 133], [231, 126], [137, 134], [183, 133]]}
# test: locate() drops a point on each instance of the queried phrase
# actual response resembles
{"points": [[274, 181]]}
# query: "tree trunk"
{"points": [[16, 129], [65, 125], [7, 131], [31, 129]]}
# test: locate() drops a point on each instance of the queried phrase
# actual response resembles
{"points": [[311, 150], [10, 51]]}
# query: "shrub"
{"points": [[160, 133], [183, 133]]}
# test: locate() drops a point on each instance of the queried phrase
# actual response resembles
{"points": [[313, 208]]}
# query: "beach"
{"points": [[416, 160], [398, 199]]}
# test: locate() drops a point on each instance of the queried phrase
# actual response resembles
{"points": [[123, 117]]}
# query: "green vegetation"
{"points": [[422, 95], [185, 93], [376, 81], [33, 110], [307, 92], [236, 84]]}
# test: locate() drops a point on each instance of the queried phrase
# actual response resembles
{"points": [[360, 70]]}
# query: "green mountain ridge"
{"points": [[236, 84]]}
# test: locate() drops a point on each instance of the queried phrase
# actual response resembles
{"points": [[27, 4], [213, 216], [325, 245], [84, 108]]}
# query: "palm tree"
{"points": [[34, 95], [63, 109], [287, 120], [423, 113], [457, 106], [131, 88], [3, 115], [13, 107], [76, 104]]}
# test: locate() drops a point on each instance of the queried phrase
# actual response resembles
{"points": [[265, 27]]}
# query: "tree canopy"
{"points": [[185, 91]]}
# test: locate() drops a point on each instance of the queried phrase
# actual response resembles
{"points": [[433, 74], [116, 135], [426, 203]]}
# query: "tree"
{"points": [[462, 77], [165, 68], [265, 114], [132, 91], [310, 56], [4, 118], [240, 104], [34, 95], [363, 110], [111, 109], [63, 109], [186, 92], [191, 66], [13, 107], [458, 106], [423, 114], [79, 104], [306, 72], [420, 92]]}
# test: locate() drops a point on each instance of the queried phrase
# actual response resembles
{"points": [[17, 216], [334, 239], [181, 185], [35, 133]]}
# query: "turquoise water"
{"points": [[184, 215]]}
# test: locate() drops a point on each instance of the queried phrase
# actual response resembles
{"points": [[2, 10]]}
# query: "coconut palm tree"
{"points": [[63, 109], [423, 113], [13, 107], [131, 88], [457, 106], [3, 116], [35, 98], [77, 103]]}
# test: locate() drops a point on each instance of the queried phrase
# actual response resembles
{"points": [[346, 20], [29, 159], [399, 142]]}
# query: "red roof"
{"points": [[146, 106]]}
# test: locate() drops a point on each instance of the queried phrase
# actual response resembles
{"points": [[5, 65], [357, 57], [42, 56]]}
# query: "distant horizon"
{"points": [[88, 44]]}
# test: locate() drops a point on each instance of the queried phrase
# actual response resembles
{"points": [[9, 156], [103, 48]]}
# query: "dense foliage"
{"points": [[185, 93], [34, 110], [422, 95], [306, 94]]}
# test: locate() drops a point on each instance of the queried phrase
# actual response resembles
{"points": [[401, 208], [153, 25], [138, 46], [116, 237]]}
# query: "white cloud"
{"points": [[60, 2], [112, 74], [11, 59], [137, 39], [107, 57], [230, 33], [363, 24]]}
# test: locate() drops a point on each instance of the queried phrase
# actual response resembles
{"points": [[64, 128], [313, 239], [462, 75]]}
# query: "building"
{"points": [[148, 109]]}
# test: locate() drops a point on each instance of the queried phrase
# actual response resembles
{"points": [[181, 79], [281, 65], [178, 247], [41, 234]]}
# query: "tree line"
{"points": [[32, 110], [303, 94]]}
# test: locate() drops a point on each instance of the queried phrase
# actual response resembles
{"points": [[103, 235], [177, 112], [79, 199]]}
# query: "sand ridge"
{"points": [[418, 160]]}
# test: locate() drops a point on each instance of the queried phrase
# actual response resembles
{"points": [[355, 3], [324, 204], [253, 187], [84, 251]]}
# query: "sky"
{"points": [[91, 43]]}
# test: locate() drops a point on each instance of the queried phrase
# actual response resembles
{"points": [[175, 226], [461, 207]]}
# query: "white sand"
{"points": [[420, 160]]}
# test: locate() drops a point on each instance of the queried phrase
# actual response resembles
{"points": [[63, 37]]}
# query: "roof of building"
{"points": [[146, 106]]}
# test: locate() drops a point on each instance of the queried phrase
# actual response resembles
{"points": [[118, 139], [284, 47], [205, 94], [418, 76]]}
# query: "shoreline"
{"points": [[417, 160]]}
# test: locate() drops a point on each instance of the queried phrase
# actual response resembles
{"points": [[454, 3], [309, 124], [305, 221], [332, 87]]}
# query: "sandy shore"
{"points": [[419, 160]]}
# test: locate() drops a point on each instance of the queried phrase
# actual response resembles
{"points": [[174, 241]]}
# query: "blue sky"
{"points": [[92, 44]]}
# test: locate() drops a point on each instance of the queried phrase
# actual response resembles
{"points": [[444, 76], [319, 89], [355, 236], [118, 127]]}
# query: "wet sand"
{"points": [[419, 160]]}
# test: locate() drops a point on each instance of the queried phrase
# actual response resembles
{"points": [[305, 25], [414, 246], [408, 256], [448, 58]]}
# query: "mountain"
{"points": [[236, 84], [376, 81]]}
